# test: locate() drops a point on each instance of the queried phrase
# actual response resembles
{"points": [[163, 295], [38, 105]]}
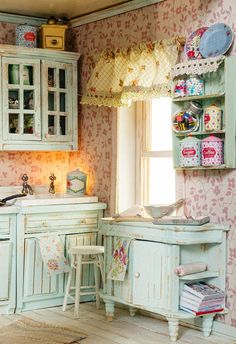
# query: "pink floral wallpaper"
{"points": [[211, 192]]}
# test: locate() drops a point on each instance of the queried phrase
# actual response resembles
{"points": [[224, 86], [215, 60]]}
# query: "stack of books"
{"points": [[202, 298]]}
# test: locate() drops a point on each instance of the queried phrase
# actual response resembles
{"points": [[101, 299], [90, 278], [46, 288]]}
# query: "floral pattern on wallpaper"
{"points": [[207, 193]]}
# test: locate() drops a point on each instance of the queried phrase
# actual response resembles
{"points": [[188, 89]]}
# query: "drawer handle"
{"points": [[54, 41], [137, 274]]}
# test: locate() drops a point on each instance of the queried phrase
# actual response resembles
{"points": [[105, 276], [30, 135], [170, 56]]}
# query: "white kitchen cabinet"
{"points": [[5, 269], [21, 99], [38, 99], [155, 251], [75, 224], [7, 260], [154, 276]]}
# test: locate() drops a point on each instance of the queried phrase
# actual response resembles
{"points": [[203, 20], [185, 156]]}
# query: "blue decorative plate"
{"points": [[216, 40]]}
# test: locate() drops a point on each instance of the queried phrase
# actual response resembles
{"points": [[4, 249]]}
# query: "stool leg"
{"points": [[96, 277], [78, 284], [67, 291], [101, 265]]}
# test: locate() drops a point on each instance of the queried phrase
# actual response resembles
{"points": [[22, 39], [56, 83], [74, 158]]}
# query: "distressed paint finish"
{"points": [[8, 260], [41, 60], [202, 191], [207, 192], [75, 224], [157, 289]]}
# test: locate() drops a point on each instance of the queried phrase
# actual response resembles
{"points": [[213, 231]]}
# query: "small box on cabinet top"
{"points": [[52, 36]]}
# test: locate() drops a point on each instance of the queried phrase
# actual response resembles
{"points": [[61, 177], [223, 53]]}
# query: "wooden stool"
{"points": [[91, 255]]}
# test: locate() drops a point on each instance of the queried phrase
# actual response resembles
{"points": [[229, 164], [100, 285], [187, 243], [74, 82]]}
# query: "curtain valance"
{"points": [[139, 73]]}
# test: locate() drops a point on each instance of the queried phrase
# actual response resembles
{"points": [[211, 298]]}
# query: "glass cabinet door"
{"points": [[21, 99], [57, 101]]}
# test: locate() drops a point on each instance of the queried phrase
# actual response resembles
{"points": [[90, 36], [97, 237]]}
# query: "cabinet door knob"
{"points": [[137, 274], [54, 41]]}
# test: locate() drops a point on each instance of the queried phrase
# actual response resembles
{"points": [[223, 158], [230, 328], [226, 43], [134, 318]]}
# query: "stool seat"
{"points": [[87, 250], [84, 255]]}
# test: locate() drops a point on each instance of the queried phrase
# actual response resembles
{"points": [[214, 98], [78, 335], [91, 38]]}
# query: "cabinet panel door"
{"points": [[57, 97], [154, 281], [36, 279], [21, 99], [5, 269], [81, 240]]}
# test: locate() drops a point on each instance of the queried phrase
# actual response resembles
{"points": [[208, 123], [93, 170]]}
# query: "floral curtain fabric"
{"points": [[138, 73]]}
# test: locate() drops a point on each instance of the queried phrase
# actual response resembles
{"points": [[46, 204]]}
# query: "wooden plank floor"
{"points": [[123, 330]]}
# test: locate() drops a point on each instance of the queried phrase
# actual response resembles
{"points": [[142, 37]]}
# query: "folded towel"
{"points": [[134, 211], [119, 262], [52, 251], [190, 268]]}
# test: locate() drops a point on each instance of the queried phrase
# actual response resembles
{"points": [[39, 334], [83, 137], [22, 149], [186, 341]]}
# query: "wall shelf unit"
{"points": [[219, 89]]}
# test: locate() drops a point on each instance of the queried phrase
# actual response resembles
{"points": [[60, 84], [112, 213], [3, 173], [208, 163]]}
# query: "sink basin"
{"points": [[60, 198]]}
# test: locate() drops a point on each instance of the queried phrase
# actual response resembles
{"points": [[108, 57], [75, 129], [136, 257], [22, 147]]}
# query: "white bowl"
{"points": [[157, 211]]}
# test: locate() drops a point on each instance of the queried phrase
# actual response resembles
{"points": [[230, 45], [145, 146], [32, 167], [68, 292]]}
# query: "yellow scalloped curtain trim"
{"points": [[133, 74]]}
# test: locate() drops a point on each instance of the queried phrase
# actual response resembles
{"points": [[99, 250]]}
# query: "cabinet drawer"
{"points": [[60, 221], [4, 224], [54, 42]]}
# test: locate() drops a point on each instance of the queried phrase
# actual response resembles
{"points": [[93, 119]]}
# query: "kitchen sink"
{"points": [[58, 198]]}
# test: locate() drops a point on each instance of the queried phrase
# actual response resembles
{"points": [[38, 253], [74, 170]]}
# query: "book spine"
{"points": [[208, 312], [201, 313], [202, 303], [201, 308]]}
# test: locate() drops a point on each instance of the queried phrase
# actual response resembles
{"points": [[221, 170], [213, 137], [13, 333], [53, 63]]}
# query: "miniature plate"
{"points": [[191, 47], [216, 40]]}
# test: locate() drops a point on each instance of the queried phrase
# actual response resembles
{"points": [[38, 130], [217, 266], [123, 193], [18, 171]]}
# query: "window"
{"points": [[155, 172], [145, 173]]}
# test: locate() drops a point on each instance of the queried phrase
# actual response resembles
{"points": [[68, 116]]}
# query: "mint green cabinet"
{"points": [[76, 224], [7, 261], [155, 251], [220, 88], [38, 99]]}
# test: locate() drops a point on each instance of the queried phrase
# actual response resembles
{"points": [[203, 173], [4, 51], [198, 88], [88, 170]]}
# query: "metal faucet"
{"points": [[27, 189], [52, 186]]}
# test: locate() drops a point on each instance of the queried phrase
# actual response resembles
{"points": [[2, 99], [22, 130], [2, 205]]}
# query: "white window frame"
{"points": [[134, 174], [144, 152]]}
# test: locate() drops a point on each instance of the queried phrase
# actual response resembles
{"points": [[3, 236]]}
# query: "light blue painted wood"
{"points": [[40, 60], [29, 286], [154, 256], [220, 88], [79, 225], [7, 263]]}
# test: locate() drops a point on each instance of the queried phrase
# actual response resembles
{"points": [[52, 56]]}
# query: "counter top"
{"points": [[171, 234], [54, 199], [9, 209], [170, 227]]}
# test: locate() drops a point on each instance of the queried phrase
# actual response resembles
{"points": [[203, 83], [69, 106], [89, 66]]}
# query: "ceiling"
{"points": [[79, 12], [59, 8]]}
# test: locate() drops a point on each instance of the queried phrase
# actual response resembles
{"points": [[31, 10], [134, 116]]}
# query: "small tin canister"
{"points": [[26, 36], [212, 118], [194, 86], [76, 182], [212, 151], [190, 152]]}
